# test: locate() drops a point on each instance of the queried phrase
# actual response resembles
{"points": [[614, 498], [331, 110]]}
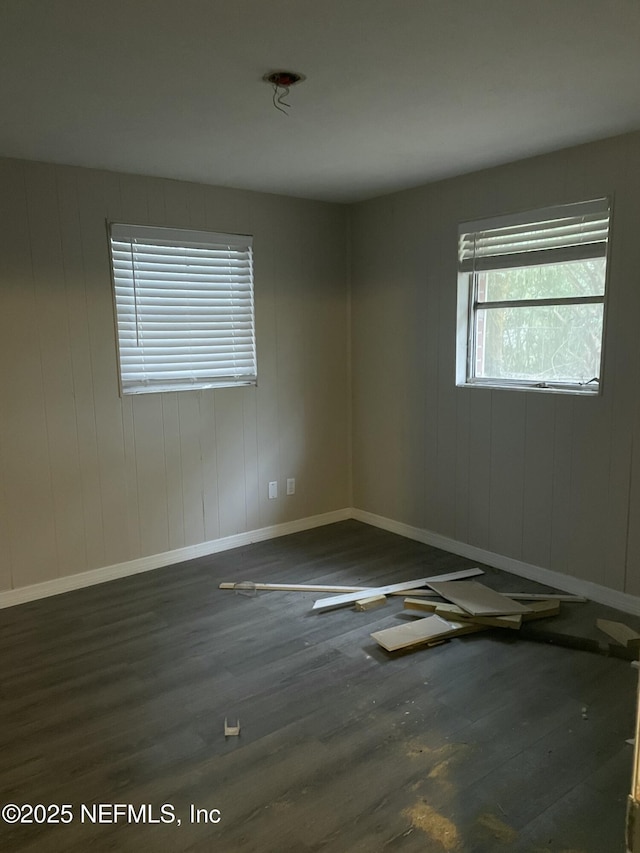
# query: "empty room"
{"points": [[319, 483]]}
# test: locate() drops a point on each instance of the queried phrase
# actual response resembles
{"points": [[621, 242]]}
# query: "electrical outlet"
{"points": [[273, 489], [291, 485]]}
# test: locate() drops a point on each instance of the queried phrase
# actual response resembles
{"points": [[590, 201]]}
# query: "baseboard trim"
{"points": [[22, 595], [602, 594], [611, 597]]}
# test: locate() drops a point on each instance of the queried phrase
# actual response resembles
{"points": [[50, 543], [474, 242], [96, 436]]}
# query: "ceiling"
{"points": [[398, 92]]}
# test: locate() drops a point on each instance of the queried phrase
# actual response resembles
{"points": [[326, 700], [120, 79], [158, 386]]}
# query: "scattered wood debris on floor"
{"points": [[451, 605], [470, 607], [445, 606]]}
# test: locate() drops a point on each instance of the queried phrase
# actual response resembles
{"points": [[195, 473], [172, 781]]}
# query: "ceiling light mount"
{"points": [[282, 81]]}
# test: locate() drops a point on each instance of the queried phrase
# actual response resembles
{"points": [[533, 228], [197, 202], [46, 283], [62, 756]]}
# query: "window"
{"points": [[184, 308], [531, 299]]}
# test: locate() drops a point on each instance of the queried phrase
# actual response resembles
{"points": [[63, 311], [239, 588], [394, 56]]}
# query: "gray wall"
{"points": [[88, 479], [552, 480]]}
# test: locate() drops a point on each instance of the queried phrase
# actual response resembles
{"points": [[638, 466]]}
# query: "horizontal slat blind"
{"points": [[184, 306], [552, 235]]}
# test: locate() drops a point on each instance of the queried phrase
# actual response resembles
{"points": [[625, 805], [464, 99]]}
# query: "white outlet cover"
{"points": [[273, 489]]}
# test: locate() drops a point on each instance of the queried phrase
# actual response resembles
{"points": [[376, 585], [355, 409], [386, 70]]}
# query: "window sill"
{"points": [[493, 385]]}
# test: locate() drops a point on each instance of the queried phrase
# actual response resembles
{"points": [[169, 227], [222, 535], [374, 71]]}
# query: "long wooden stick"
{"points": [[292, 587], [307, 587], [545, 596]]}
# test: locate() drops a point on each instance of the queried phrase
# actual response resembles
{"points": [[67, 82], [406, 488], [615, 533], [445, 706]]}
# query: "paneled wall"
{"points": [[552, 480], [90, 479]]}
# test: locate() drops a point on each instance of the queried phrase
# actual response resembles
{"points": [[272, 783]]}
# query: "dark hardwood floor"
{"points": [[117, 694]]}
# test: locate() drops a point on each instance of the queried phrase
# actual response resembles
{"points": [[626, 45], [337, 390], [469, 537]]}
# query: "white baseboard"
{"points": [[602, 594], [168, 558]]}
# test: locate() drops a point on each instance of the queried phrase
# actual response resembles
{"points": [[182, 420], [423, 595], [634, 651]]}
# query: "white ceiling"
{"points": [[398, 92]]}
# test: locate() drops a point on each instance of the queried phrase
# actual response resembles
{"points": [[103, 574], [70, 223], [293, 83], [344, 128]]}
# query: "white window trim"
{"points": [[183, 308], [591, 242]]}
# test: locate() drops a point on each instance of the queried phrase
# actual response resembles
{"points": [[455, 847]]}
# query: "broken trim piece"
{"points": [[371, 602], [477, 599], [308, 587], [620, 632], [546, 596], [451, 611], [425, 631], [341, 600], [293, 587]]}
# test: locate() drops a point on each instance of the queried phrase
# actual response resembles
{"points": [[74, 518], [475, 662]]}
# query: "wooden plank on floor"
{"points": [[420, 604], [427, 593], [371, 603], [541, 609], [620, 632], [421, 632], [522, 596], [291, 587], [546, 596], [341, 600], [243, 586], [452, 611], [477, 599]]}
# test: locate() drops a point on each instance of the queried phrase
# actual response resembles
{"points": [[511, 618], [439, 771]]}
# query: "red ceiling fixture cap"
{"points": [[283, 79]]}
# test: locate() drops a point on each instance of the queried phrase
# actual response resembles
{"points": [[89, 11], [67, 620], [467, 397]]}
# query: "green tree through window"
{"points": [[548, 343]]}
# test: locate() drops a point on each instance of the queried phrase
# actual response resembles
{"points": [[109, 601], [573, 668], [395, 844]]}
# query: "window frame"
{"points": [[181, 247], [468, 306]]}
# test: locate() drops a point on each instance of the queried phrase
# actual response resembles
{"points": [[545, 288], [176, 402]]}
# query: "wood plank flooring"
{"points": [[118, 693]]}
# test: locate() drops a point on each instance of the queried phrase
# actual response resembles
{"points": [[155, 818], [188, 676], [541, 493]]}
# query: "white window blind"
{"points": [[551, 235], [184, 307]]}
